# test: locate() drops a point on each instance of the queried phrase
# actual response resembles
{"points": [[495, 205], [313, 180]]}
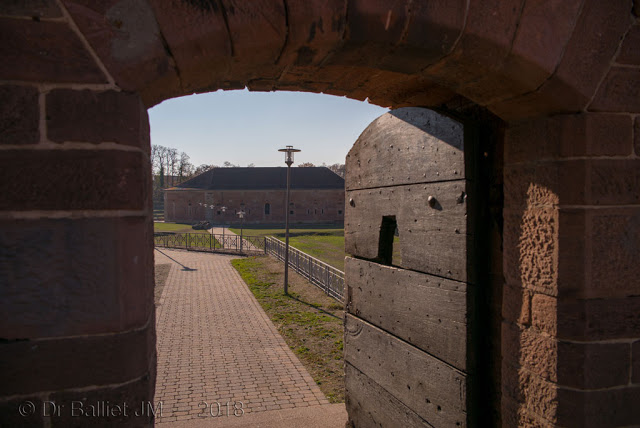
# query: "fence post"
{"points": [[328, 279], [265, 245], [310, 267]]}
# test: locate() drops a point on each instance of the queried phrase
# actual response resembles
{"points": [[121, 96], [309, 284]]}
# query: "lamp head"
{"points": [[288, 154]]}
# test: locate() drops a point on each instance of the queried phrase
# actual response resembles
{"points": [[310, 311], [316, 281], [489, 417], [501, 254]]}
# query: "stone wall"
{"points": [[308, 206], [75, 216]]}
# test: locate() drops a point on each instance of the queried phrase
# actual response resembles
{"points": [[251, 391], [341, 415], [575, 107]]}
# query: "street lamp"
{"points": [[241, 215], [288, 159], [223, 209]]}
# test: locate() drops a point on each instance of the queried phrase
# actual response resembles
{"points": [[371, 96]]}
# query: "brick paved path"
{"points": [[216, 345]]}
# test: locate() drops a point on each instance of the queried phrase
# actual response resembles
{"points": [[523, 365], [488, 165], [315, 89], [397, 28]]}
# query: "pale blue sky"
{"points": [[245, 127]]}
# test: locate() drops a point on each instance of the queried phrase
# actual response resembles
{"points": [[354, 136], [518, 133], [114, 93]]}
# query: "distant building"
{"points": [[317, 196]]}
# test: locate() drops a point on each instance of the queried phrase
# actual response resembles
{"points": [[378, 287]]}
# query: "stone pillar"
{"points": [[76, 258], [571, 302]]}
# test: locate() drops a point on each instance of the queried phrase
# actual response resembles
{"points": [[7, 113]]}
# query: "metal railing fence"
{"points": [[210, 242], [324, 276]]}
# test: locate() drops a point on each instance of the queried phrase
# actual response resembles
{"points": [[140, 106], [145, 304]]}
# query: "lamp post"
{"points": [[223, 209], [241, 215], [288, 159]]}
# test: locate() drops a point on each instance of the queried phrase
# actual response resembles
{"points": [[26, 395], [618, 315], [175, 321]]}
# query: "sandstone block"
{"points": [[19, 115], [74, 180], [96, 117], [44, 51]]}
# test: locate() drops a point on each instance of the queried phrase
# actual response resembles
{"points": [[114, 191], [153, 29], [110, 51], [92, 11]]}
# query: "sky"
{"points": [[245, 127]]}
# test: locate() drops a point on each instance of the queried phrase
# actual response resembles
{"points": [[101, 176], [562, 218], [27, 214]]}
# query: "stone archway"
{"points": [[76, 79]]}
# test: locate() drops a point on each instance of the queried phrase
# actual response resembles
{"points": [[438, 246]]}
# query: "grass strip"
{"points": [[310, 322]]}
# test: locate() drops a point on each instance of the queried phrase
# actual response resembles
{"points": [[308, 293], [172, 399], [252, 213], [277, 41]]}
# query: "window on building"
{"points": [[291, 212], [339, 212], [323, 211], [267, 208]]}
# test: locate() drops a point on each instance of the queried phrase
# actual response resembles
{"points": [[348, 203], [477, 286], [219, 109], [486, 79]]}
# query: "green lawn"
{"points": [[175, 227], [308, 320], [323, 243]]}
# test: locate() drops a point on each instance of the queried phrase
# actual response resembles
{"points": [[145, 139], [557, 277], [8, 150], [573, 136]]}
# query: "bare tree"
{"points": [[338, 168], [172, 163], [203, 168], [185, 168], [306, 165]]}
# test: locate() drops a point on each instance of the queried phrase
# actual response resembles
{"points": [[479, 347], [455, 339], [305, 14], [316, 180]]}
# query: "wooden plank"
{"points": [[432, 240], [406, 146], [434, 390], [369, 405], [424, 310]]}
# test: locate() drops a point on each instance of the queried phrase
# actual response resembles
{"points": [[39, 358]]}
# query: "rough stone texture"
{"points": [[74, 180], [314, 30], [599, 319], [615, 237], [585, 60], [636, 133], [44, 51], [594, 409], [573, 182], [198, 39], [531, 250], [505, 50], [517, 304], [373, 28], [573, 135], [534, 394], [620, 91], [126, 37], [629, 53], [576, 365], [431, 33], [30, 8], [96, 117], [78, 362], [19, 115], [104, 288], [635, 362], [480, 50], [544, 314], [516, 414], [543, 31]]}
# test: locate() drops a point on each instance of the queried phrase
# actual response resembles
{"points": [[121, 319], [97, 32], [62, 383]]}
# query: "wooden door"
{"points": [[409, 344]]}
